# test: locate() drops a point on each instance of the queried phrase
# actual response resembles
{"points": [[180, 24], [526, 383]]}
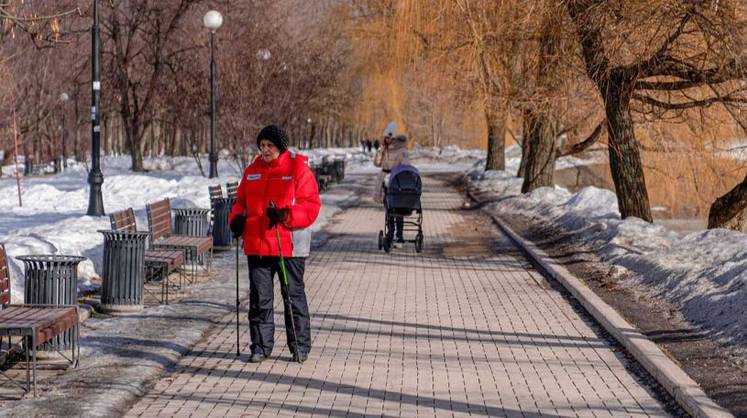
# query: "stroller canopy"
{"points": [[404, 188], [404, 178], [403, 167]]}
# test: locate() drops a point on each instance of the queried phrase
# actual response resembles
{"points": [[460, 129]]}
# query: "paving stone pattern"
{"points": [[460, 330]]}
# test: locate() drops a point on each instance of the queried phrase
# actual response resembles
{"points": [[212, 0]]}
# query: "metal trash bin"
{"points": [[28, 165], [221, 208], [192, 221], [124, 271], [327, 168], [339, 169], [321, 183], [52, 280]]}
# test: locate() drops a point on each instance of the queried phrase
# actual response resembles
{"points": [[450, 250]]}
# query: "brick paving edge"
{"points": [[682, 387]]}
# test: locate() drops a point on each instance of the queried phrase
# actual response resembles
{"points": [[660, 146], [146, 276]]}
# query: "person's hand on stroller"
{"points": [[277, 216], [237, 226]]}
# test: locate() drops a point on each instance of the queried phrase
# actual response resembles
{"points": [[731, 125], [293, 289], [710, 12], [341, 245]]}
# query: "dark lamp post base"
{"points": [[213, 166], [95, 200]]}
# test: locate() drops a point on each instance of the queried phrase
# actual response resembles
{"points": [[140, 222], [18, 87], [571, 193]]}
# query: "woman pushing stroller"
{"points": [[392, 153]]}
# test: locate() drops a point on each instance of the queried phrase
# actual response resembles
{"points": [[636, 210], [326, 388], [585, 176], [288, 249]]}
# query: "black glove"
{"points": [[237, 225], [278, 216]]}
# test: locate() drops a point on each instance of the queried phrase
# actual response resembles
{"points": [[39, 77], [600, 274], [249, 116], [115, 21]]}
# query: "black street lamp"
{"points": [[212, 20], [95, 178]]}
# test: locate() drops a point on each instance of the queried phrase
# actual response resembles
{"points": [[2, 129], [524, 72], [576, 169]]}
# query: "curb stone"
{"points": [[682, 387]]}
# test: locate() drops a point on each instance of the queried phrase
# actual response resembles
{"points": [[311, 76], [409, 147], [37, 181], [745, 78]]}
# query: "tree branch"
{"points": [[586, 143], [650, 65], [687, 105]]}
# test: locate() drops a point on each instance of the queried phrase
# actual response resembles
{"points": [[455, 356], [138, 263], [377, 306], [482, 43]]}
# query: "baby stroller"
{"points": [[401, 198]]}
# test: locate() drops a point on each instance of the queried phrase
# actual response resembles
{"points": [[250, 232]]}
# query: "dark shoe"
{"points": [[257, 358], [401, 240], [300, 357]]}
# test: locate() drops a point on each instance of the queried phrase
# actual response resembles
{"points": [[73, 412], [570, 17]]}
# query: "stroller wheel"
{"points": [[381, 240], [419, 242], [387, 244]]}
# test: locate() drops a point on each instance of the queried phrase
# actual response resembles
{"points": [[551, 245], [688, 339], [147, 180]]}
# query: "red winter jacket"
{"points": [[288, 182]]}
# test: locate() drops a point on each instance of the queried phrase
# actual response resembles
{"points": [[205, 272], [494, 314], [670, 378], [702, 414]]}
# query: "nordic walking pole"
{"points": [[238, 350], [284, 280]]}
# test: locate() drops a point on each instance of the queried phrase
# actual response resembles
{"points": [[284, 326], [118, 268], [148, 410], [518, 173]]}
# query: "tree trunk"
{"points": [[76, 138], [496, 121], [312, 134], [133, 144], [540, 159], [526, 128], [730, 210], [625, 158], [106, 135], [615, 86]]}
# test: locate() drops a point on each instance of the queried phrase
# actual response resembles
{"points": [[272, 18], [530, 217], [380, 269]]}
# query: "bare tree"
{"points": [[139, 45], [656, 56]]}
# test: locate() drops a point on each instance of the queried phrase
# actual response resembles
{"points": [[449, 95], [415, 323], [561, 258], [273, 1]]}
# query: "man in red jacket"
{"points": [[277, 190]]}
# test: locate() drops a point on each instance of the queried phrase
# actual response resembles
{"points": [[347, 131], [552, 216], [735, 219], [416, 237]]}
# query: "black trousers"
{"points": [[261, 299], [400, 222]]}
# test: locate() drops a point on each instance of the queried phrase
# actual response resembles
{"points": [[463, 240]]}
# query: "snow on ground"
{"points": [[704, 272]]}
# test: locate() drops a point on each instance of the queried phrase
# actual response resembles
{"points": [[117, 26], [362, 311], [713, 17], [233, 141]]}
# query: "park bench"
{"points": [[162, 235], [216, 192], [334, 166], [34, 169], [35, 324], [158, 263], [231, 189], [323, 178]]}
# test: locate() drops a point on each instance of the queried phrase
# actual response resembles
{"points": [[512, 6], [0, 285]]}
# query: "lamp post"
{"points": [[310, 142], [95, 178], [212, 20], [64, 98]]}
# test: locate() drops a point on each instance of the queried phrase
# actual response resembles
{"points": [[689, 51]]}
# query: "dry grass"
{"points": [[689, 164], [686, 185]]}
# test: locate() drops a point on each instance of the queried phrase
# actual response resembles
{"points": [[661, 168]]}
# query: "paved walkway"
{"points": [[462, 329]]}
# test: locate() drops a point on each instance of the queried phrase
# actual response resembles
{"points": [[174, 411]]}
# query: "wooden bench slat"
{"points": [[27, 314], [172, 258], [124, 220], [16, 316], [4, 277], [215, 192], [202, 244], [60, 323], [8, 314]]}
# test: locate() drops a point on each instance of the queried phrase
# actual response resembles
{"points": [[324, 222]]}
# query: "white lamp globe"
{"points": [[212, 20]]}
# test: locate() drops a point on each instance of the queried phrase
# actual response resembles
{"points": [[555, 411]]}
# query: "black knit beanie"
{"points": [[274, 134]]}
